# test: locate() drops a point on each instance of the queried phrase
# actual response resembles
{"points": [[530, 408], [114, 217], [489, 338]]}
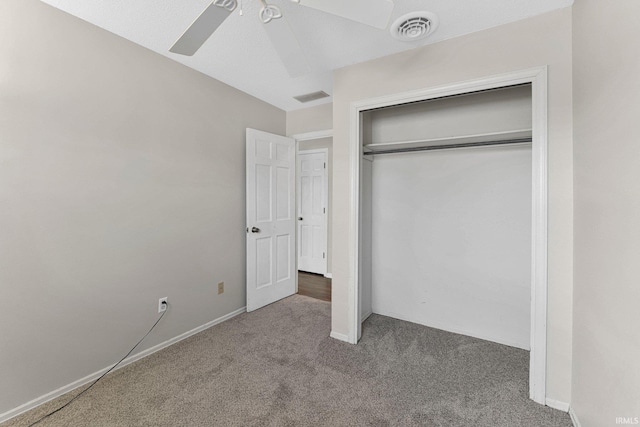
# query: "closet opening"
{"points": [[450, 209]]}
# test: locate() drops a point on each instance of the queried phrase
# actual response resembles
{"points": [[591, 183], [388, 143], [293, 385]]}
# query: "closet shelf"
{"points": [[513, 135]]}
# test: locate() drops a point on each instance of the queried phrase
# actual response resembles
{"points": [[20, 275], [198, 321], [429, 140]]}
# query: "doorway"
{"points": [[313, 210]]}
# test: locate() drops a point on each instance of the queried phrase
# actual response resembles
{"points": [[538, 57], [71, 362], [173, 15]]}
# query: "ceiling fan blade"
{"points": [[201, 29], [286, 44], [370, 12]]}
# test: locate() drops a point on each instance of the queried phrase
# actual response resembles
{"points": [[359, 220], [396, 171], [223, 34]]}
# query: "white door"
{"points": [[312, 211], [271, 218]]}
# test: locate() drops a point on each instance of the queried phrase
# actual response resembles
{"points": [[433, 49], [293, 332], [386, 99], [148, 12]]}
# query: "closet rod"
{"points": [[449, 146]]}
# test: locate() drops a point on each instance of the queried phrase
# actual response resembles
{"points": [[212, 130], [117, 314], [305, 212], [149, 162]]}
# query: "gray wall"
{"points": [[310, 119], [121, 181], [606, 349], [533, 42]]}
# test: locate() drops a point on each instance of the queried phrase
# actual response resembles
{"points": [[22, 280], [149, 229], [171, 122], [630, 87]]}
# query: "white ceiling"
{"points": [[240, 54]]}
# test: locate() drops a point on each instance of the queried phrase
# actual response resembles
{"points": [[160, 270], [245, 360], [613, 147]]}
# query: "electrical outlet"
{"points": [[162, 304], [220, 288]]}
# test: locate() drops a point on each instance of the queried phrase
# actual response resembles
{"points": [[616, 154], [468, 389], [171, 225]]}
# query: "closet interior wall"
{"points": [[446, 234]]}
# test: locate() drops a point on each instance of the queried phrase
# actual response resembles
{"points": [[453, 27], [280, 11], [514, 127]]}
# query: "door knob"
{"points": [[299, 218], [255, 230]]}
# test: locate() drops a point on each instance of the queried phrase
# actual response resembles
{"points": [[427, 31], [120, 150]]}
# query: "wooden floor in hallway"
{"points": [[314, 285]]}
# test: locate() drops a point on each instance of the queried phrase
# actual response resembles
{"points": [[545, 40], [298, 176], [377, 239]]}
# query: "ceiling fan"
{"points": [[375, 13]]}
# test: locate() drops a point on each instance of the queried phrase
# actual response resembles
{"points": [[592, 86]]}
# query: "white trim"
{"points": [[325, 183], [338, 336], [538, 79], [574, 418], [315, 151], [539, 233], [556, 404], [307, 136], [92, 377], [329, 276], [366, 315], [353, 285]]}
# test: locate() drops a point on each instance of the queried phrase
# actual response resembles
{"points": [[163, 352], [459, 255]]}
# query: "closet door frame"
{"points": [[537, 77]]}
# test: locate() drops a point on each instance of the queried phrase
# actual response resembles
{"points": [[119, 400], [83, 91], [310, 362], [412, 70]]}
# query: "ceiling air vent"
{"points": [[414, 26], [308, 97]]}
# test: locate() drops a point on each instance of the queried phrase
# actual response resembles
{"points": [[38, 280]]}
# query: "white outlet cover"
{"points": [[162, 307]]}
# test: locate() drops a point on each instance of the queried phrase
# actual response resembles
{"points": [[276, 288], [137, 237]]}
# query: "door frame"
{"points": [[325, 184], [537, 77]]}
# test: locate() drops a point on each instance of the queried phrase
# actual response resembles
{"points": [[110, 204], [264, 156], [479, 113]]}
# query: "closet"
{"points": [[445, 235]]}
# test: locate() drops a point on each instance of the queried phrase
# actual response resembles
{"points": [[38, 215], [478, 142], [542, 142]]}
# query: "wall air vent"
{"points": [[414, 26], [308, 97]]}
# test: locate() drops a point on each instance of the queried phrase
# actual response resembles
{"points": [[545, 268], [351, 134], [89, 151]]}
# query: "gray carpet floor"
{"points": [[277, 366]]}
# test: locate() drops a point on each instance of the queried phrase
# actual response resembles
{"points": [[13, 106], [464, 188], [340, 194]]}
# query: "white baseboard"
{"points": [[365, 316], [556, 404], [574, 418], [339, 336], [92, 377], [329, 276]]}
